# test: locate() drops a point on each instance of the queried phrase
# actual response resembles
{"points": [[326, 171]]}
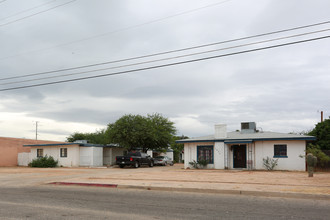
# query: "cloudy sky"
{"points": [[282, 89]]}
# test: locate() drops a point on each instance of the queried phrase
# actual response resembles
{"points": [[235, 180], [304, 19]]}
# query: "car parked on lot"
{"points": [[134, 159], [163, 161]]}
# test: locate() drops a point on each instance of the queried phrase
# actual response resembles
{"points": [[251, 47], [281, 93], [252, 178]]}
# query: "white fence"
{"points": [[23, 159]]}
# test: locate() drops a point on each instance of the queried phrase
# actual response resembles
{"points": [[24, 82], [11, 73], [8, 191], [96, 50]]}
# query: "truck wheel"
{"points": [[136, 164], [151, 164], [121, 166]]}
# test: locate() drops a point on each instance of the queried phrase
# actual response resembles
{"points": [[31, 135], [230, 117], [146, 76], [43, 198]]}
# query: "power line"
{"points": [[168, 58], [26, 10], [119, 30], [168, 52], [10, 22], [169, 64]]}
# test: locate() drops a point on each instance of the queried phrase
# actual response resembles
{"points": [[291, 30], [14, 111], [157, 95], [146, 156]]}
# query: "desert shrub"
{"points": [[203, 163], [322, 158], [198, 164], [46, 161], [270, 163], [194, 164]]}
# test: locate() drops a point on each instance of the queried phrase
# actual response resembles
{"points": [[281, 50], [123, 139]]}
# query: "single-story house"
{"points": [[76, 154], [246, 149], [10, 148]]}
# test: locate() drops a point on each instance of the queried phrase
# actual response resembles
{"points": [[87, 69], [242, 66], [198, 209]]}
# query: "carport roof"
{"points": [[64, 144], [238, 137]]}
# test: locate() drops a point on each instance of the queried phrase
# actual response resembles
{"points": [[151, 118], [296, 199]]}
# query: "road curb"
{"points": [[232, 192], [200, 190], [85, 184]]}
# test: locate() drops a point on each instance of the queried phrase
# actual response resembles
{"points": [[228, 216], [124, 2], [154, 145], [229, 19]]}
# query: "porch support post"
{"points": [[250, 157], [226, 156], [219, 155]]}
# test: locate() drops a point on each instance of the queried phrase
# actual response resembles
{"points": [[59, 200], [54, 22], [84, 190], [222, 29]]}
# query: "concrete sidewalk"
{"points": [[270, 183], [266, 183]]}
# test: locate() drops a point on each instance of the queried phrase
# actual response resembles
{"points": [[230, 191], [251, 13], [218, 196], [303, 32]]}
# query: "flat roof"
{"points": [[64, 144], [238, 137]]}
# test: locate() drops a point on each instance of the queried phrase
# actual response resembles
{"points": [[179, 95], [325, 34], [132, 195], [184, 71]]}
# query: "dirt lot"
{"points": [[175, 177]]}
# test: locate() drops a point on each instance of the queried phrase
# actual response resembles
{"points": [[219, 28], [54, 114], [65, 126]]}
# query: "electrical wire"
{"points": [[167, 65], [28, 16], [119, 30], [26, 10], [168, 52], [169, 58]]}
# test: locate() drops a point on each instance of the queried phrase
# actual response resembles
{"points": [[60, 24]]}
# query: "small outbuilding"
{"points": [[246, 149], [77, 154]]}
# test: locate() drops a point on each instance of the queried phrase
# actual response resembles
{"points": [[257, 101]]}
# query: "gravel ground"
{"points": [[175, 177]]}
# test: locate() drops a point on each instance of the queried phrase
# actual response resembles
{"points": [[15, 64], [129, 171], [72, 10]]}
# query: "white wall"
{"points": [[149, 152], [23, 159], [97, 156], [170, 155], [190, 153], [107, 156], [72, 159], [91, 156], [219, 155], [85, 156], [292, 162], [260, 149]]}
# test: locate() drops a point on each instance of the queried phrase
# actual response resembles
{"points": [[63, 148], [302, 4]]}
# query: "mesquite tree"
{"points": [[153, 132]]}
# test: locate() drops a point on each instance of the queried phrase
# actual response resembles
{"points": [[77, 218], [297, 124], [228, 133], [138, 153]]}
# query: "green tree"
{"points": [[153, 132], [322, 134], [322, 158], [177, 147], [98, 137], [77, 136]]}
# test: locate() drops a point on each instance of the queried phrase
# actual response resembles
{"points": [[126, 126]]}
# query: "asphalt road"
{"points": [[66, 202]]}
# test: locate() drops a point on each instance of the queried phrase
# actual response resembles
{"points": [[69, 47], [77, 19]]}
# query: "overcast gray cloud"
{"points": [[282, 89]]}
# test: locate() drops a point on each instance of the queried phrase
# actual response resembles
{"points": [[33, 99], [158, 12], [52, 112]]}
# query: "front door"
{"points": [[239, 152]]}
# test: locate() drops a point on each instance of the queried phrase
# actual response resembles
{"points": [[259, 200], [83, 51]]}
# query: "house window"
{"points": [[205, 153], [64, 152], [280, 150], [40, 152]]}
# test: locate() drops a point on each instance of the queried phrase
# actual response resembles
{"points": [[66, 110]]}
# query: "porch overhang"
{"points": [[238, 141]]}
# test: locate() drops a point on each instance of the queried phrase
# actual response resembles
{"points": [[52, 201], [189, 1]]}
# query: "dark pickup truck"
{"points": [[135, 160]]}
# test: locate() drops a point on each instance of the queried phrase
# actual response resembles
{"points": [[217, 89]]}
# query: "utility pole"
{"points": [[37, 130], [321, 116]]}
